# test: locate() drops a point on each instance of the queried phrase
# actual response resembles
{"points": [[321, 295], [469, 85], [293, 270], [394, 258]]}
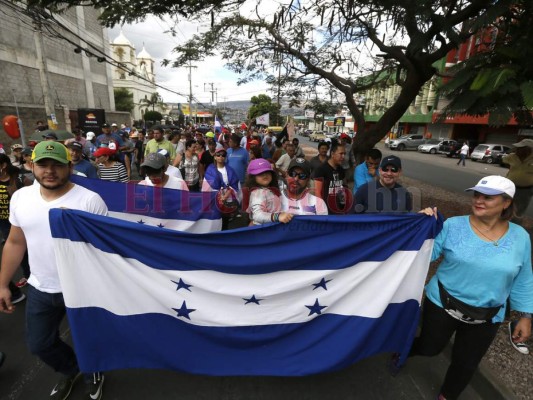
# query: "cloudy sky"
{"points": [[151, 34]]}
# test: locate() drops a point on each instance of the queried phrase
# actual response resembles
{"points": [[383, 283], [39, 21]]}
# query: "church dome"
{"points": [[144, 54], [121, 40]]}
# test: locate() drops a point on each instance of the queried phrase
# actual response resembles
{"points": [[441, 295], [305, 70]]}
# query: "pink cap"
{"points": [[258, 166]]}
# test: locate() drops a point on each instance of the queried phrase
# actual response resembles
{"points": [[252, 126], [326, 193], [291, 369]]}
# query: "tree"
{"points": [[262, 104], [123, 100], [498, 80], [154, 116], [154, 101], [349, 45]]}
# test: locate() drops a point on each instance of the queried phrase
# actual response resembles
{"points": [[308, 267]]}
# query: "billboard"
{"points": [[91, 119]]}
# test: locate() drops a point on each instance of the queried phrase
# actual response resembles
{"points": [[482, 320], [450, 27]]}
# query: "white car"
{"points": [[431, 147]]}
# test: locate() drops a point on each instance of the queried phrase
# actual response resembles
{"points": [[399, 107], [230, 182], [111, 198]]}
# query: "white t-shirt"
{"points": [[465, 149], [308, 204], [173, 171], [172, 183], [29, 211]]}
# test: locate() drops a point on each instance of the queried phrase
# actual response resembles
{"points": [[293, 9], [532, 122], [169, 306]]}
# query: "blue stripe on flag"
{"points": [[306, 243], [104, 341]]}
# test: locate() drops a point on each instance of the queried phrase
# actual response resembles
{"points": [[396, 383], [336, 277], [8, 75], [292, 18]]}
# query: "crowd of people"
{"points": [[486, 258]]}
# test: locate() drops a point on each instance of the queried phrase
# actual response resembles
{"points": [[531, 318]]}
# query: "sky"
{"points": [[151, 34]]}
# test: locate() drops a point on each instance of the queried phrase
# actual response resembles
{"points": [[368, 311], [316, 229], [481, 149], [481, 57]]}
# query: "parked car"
{"points": [[407, 142], [306, 132], [488, 152], [449, 147], [431, 146], [317, 136], [499, 158], [331, 135]]}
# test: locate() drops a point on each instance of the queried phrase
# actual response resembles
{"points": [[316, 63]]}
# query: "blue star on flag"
{"points": [[252, 299], [182, 285], [321, 284], [160, 225], [141, 222], [315, 308], [183, 311]]}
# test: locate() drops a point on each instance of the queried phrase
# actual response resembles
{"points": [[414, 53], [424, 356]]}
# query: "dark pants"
{"points": [[471, 344], [463, 157], [44, 313]]}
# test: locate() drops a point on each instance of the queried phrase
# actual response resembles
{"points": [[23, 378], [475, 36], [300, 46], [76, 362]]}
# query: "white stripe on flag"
{"points": [[93, 278]]}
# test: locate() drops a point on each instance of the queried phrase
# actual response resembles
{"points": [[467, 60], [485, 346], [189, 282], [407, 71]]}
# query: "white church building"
{"points": [[141, 80]]}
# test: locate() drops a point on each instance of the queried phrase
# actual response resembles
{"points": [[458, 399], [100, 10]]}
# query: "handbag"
{"points": [[463, 311]]}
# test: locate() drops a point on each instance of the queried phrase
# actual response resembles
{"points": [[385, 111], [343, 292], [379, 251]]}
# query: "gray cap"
{"points": [[154, 160], [524, 143]]}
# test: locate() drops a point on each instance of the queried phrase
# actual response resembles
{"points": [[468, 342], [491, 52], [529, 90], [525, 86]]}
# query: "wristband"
{"points": [[525, 315]]}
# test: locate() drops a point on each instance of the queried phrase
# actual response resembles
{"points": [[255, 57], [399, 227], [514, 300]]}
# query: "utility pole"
{"points": [[43, 73], [190, 66]]}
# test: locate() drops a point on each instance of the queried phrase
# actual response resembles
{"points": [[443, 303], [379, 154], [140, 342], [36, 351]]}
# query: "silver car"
{"points": [[431, 146], [488, 152]]}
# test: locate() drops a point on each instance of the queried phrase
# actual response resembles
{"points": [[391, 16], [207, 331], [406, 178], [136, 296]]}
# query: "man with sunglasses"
{"points": [[384, 194], [297, 199]]}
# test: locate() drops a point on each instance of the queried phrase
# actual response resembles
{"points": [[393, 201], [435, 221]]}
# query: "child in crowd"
{"points": [[265, 204]]}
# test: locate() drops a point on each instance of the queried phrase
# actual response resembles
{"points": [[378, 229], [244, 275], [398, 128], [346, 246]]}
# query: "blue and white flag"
{"points": [[218, 125], [314, 295], [164, 208]]}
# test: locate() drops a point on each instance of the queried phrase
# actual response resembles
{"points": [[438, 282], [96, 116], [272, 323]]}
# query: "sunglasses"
{"points": [[301, 176], [390, 169], [220, 155]]}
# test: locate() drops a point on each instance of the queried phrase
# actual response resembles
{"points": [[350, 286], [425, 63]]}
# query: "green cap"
{"points": [[50, 149]]}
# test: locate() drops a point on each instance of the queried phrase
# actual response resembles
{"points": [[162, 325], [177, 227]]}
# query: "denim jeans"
{"points": [[44, 313]]}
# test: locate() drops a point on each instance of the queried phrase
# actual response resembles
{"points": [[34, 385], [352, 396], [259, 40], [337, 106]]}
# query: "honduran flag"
{"points": [[218, 125], [162, 208], [314, 295]]}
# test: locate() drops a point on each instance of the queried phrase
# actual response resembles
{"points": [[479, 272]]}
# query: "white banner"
{"points": [[309, 114], [263, 119]]}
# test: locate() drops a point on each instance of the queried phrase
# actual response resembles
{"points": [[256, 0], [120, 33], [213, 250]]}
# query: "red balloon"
{"points": [[10, 124]]}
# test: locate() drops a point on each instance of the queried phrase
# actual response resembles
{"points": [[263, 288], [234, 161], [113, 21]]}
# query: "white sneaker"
{"points": [[520, 347]]}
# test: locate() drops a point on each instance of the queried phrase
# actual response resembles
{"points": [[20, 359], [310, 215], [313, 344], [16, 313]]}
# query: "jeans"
{"points": [[44, 313], [463, 157], [470, 345]]}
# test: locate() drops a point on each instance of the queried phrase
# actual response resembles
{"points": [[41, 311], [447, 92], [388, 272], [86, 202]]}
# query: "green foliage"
{"points": [[154, 116], [123, 100], [154, 101], [262, 104]]}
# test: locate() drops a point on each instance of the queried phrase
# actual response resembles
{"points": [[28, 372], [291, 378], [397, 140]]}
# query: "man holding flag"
{"points": [[30, 230]]}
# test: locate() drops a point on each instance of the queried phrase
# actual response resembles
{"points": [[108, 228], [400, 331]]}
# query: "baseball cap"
{"points": [[113, 124], [16, 146], [524, 143], [49, 149], [254, 142], [90, 135], [103, 151], [258, 166], [493, 185], [134, 135], [105, 125], [219, 148], [391, 160], [75, 146], [301, 163], [154, 160], [27, 151], [210, 134], [50, 135]]}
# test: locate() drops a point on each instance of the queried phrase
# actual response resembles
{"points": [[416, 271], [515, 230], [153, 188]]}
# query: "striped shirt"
{"points": [[116, 172]]}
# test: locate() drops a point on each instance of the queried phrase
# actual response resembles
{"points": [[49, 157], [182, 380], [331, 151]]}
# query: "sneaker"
{"points": [[18, 298], [393, 364], [62, 390], [94, 387], [22, 282], [520, 347]]}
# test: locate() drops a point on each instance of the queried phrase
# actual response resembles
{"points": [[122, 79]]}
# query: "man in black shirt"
{"points": [[385, 194], [329, 181]]}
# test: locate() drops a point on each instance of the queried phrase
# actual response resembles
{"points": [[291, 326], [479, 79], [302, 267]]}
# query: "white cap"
{"points": [[90, 135], [113, 124], [493, 185]]}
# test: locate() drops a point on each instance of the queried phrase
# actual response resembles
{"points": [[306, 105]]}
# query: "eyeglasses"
{"points": [[390, 169], [301, 176], [220, 155]]}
